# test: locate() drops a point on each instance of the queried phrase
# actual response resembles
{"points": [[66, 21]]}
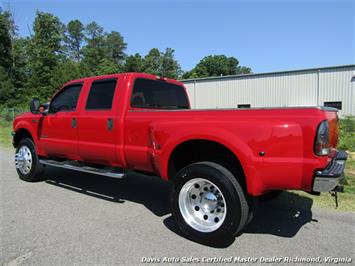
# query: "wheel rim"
{"points": [[23, 160], [202, 205]]}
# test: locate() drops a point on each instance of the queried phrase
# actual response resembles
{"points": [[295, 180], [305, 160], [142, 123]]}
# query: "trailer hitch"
{"points": [[334, 193]]}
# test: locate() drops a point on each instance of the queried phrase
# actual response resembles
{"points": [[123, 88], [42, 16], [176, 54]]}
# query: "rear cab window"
{"points": [[158, 94], [101, 95]]}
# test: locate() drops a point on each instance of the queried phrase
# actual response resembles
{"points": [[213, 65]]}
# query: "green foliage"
{"points": [[93, 51], [44, 53], [169, 66], [5, 131], [5, 42], [152, 62], [347, 133], [349, 181], [66, 71], [216, 65], [106, 67], [74, 37], [103, 49], [21, 71], [134, 63], [7, 115], [7, 89], [114, 46], [155, 62], [93, 31]]}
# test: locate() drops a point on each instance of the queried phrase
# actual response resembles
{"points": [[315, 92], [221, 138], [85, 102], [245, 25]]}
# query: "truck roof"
{"points": [[132, 74]]}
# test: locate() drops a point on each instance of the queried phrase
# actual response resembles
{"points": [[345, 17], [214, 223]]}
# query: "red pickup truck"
{"points": [[216, 160]]}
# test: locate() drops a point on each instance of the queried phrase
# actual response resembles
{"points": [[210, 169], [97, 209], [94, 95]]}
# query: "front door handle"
{"points": [[110, 124], [73, 122]]}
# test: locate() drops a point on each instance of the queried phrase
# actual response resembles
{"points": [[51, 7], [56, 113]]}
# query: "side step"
{"points": [[86, 169]]}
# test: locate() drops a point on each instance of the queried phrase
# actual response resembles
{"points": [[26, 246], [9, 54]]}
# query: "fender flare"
{"points": [[24, 125], [239, 148]]}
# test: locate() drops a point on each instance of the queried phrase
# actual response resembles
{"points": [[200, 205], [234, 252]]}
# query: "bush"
{"points": [[347, 133], [8, 114]]}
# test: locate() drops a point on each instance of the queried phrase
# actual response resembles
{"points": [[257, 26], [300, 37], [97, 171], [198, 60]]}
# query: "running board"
{"points": [[86, 169]]}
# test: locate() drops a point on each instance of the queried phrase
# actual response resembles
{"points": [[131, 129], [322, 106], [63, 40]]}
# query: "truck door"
{"points": [[57, 130], [98, 124]]}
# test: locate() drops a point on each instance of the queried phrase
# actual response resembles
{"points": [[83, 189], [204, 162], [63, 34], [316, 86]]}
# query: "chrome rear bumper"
{"points": [[328, 178]]}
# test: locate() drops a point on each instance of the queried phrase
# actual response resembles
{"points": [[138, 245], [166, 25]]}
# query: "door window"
{"points": [[101, 95], [66, 99]]}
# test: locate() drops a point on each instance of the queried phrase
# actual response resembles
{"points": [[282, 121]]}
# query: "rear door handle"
{"points": [[110, 124], [73, 122]]}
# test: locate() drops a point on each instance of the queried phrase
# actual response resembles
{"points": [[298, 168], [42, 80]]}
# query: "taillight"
{"points": [[321, 146]]}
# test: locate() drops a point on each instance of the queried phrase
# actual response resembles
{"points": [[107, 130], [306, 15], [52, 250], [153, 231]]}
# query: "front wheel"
{"points": [[208, 204], [26, 161]]}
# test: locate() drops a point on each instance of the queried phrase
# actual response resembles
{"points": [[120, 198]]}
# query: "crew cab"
{"points": [[218, 161]]}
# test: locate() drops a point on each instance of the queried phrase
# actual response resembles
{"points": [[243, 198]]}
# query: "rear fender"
{"points": [[239, 148]]}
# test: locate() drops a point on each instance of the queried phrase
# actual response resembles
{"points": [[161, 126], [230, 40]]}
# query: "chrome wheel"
{"points": [[202, 205], [23, 160]]}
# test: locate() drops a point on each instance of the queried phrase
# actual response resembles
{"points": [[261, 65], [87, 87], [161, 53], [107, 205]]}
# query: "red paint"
{"points": [[143, 139]]}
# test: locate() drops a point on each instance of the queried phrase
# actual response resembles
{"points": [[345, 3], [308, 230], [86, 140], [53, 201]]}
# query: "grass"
{"points": [[349, 182], [325, 200], [299, 199], [5, 134], [346, 201]]}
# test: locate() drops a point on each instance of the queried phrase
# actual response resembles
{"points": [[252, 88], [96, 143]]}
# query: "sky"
{"points": [[264, 35]]}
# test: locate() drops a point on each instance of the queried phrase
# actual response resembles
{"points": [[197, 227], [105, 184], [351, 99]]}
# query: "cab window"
{"points": [[158, 94], [101, 95], [66, 99]]}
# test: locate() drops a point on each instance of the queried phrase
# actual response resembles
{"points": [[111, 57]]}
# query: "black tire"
{"points": [[270, 195], [36, 169], [234, 196]]}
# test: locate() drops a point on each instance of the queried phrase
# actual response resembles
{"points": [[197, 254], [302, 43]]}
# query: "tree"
{"points": [[93, 51], [74, 38], [65, 71], [21, 69], [13, 63], [102, 47], [93, 31], [114, 47], [7, 89], [5, 42], [45, 52], [169, 66], [152, 62], [162, 64], [106, 67], [244, 70], [217, 65], [134, 63]]}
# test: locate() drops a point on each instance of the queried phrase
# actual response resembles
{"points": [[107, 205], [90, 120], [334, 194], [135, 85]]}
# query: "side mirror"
{"points": [[35, 104]]}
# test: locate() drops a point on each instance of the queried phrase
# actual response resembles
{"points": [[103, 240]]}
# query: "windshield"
{"points": [[158, 94]]}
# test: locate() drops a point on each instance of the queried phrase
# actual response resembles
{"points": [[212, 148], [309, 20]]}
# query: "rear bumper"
{"points": [[328, 178]]}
